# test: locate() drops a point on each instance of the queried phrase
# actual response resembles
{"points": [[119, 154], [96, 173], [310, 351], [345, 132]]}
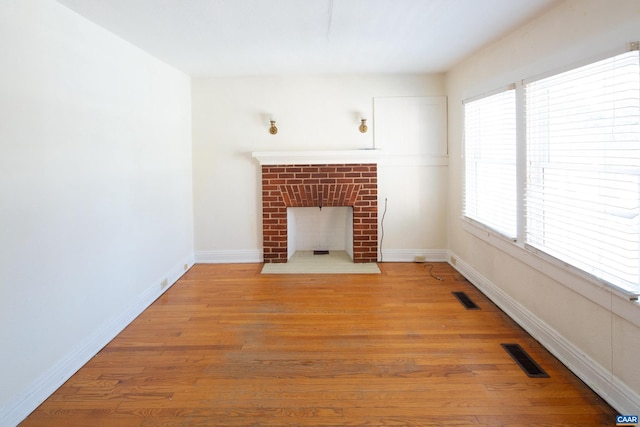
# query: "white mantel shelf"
{"points": [[316, 157], [270, 158]]}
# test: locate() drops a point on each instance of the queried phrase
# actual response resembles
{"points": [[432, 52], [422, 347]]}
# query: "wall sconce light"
{"points": [[273, 129], [363, 126]]}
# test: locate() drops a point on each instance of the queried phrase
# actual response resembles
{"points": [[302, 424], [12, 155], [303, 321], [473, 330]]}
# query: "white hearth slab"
{"points": [[336, 262]]}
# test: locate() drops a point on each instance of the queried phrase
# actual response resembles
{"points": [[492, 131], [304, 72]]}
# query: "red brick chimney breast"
{"points": [[354, 185]]}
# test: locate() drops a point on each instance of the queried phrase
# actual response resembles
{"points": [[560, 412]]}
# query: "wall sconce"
{"points": [[363, 126], [273, 129]]}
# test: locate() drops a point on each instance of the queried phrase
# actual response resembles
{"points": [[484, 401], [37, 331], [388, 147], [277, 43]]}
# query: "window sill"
{"points": [[607, 296]]}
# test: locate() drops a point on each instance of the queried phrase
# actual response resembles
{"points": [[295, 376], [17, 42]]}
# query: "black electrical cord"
{"points": [[440, 278], [382, 227]]}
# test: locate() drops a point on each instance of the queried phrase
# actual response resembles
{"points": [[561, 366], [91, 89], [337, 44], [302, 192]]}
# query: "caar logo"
{"points": [[627, 420]]}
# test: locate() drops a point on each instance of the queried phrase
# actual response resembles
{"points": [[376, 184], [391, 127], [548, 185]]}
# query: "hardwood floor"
{"points": [[226, 346]]}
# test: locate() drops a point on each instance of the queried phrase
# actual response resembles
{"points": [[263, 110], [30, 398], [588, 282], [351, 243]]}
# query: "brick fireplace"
{"points": [[319, 185]]}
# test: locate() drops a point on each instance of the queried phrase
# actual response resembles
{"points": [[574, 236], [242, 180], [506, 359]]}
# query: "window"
{"points": [[583, 168], [578, 161], [490, 159]]}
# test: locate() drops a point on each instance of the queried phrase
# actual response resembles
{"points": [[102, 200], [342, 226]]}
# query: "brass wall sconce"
{"points": [[273, 129], [363, 126]]}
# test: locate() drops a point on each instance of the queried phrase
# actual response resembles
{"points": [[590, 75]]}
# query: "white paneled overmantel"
{"points": [[346, 157]]}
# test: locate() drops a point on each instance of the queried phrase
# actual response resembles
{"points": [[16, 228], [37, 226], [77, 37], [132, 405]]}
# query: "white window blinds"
{"points": [[490, 161], [582, 196]]}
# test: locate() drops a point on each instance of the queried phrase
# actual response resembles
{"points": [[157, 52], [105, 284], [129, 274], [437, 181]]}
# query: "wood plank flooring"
{"points": [[226, 346]]}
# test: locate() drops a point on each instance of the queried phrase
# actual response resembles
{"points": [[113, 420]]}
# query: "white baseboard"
{"points": [[252, 255], [600, 379], [409, 255], [18, 408], [229, 256]]}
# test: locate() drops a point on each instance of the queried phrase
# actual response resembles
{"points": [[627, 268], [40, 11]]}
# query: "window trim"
{"points": [[489, 93], [629, 47], [602, 293]]}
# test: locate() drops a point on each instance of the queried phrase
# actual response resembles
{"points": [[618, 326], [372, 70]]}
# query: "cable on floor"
{"points": [[430, 266]]}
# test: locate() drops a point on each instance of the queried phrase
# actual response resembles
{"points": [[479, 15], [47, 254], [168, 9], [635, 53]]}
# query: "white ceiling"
{"points": [[257, 37]]}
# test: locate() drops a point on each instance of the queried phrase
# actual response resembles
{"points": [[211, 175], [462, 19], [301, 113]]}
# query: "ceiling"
{"points": [[258, 37]]}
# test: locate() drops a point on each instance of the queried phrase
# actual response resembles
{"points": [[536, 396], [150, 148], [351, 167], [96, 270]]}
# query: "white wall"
{"points": [[349, 234], [95, 193], [292, 229], [321, 229], [412, 134], [594, 331], [231, 120]]}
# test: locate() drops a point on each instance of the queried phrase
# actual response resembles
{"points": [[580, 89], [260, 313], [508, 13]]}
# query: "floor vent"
{"points": [[321, 252], [522, 358], [466, 301]]}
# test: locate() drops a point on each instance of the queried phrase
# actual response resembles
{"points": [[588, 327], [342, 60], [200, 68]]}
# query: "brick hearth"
{"points": [[353, 185]]}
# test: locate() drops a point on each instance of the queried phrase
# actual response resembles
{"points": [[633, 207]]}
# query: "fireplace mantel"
{"points": [[271, 158]]}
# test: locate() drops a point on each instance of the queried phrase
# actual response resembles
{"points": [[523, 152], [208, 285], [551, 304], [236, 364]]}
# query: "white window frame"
{"points": [[572, 277], [489, 152], [574, 157]]}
